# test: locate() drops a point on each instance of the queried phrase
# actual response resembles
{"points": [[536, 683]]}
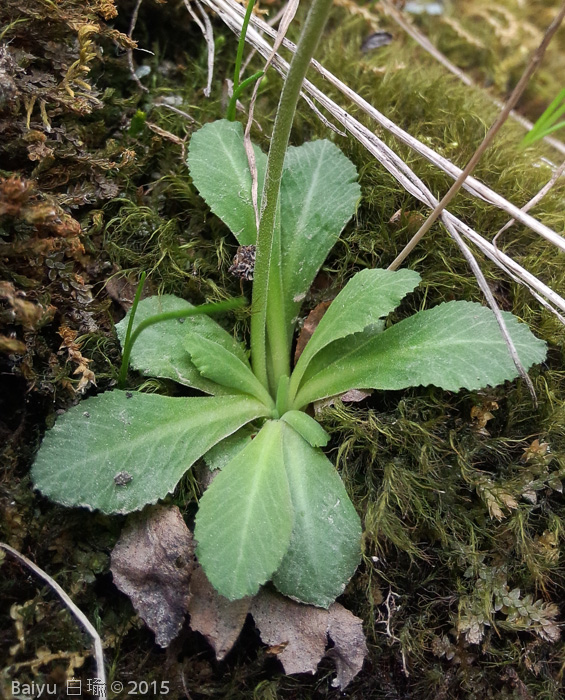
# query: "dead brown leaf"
{"points": [[220, 620], [152, 563], [310, 325], [302, 629], [122, 291], [411, 220], [350, 648], [298, 635], [351, 396]]}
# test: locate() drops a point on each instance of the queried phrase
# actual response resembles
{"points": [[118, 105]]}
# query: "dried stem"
{"points": [[502, 117], [132, 24], [80, 616]]}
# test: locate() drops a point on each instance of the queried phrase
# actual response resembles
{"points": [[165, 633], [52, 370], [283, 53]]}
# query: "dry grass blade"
{"points": [[80, 616], [485, 289], [205, 27], [132, 24]]}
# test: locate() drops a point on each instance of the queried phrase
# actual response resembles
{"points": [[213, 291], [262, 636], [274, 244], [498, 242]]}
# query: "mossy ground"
{"points": [[464, 516]]}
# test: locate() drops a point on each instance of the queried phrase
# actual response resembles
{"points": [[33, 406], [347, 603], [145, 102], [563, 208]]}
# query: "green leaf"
{"points": [[368, 296], [245, 517], [307, 427], [454, 345], [319, 194], [325, 357], [222, 366], [325, 546], [152, 439], [159, 350], [219, 168]]}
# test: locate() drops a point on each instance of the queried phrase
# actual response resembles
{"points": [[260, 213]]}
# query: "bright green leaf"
{"points": [[219, 168], [222, 366], [319, 194], [159, 350], [325, 546], [307, 427], [118, 451], [245, 517], [368, 296], [454, 345]]}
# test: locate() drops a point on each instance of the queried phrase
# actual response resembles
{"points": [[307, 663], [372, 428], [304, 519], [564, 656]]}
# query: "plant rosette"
{"points": [[277, 509]]}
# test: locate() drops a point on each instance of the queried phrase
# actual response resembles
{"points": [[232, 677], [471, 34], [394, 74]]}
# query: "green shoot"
{"points": [[237, 87], [548, 122]]}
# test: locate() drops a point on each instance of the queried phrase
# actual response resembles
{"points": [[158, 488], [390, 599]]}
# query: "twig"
{"points": [[80, 616], [502, 117], [132, 24]]}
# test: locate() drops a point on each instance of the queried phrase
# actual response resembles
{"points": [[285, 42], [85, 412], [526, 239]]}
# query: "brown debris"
{"points": [[22, 311], [73, 348], [310, 325], [299, 630], [298, 635], [482, 414], [218, 619], [152, 564], [243, 264]]}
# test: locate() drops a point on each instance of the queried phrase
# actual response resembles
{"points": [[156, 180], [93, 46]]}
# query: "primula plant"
{"points": [[277, 509]]}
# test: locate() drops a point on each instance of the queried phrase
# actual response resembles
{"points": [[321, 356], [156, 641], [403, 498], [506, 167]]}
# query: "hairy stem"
{"points": [[307, 43]]}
